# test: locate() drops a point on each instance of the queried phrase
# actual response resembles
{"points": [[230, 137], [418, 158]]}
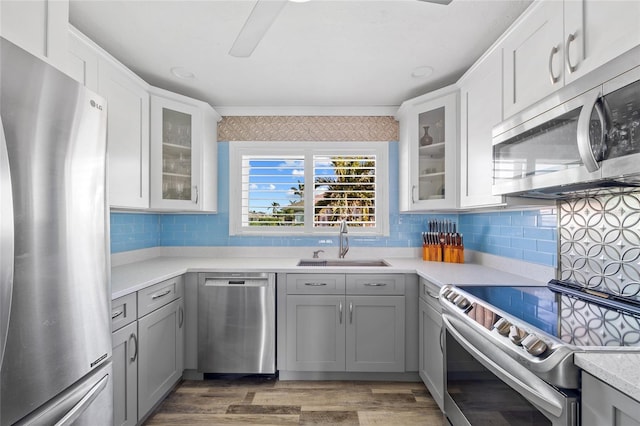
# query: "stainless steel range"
{"points": [[509, 350]]}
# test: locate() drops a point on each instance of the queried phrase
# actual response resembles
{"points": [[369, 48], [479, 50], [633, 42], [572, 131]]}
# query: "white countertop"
{"points": [[135, 276], [618, 370]]}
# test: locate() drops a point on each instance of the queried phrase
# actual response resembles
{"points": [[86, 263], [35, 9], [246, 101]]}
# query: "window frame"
{"points": [[237, 149]]}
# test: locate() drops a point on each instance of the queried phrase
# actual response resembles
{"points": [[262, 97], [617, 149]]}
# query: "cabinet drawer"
{"points": [[123, 311], [151, 298], [315, 283], [373, 284], [429, 292]]}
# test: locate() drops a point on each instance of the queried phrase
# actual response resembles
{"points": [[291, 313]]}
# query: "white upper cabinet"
{"points": [[127, 119], [480, 110], [162, 147], [39, 27], [597, 31], [183, 153], [533, 56], [556, 42], [83, 59], [428, 141], [128, 137]]}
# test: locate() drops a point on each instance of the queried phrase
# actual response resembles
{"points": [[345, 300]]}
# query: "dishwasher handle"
{"points": [[235, 282]]}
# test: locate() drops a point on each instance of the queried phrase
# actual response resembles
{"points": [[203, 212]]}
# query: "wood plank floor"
{"points": [[267, 401]]}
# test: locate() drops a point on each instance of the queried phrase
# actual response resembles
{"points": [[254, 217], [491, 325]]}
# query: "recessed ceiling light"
{"points": [[182, 72], [299, 1], [422, 72]]}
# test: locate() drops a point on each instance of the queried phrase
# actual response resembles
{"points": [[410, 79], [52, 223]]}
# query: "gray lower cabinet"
{"points": [[337, 332], [315, 333], [148, 334], [375, 333], [431, 361], [161, 353], [124, 338], [125, 375], [603, 405]]}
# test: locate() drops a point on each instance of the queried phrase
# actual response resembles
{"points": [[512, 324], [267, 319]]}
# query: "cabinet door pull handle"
{"points": [[197, 194], [181, 316], [554, 79], [315, 284], [431, 295], [350, 312], [441, 339], [135, 341], [159, 295], [116, 314], [570, 38], [413, 197], [375, 284], [340, 312]]}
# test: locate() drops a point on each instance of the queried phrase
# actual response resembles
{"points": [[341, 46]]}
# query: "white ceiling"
{"points": [[321, 53]]}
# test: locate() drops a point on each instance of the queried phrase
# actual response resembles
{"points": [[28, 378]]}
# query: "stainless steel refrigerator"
{"points": [[54, 294]]}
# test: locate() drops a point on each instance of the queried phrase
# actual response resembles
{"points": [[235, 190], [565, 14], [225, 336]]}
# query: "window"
{"points": [[308, 188]]}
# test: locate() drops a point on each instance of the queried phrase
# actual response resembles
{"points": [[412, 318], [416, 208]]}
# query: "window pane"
{"points": [[344, 188], [272, 190]]}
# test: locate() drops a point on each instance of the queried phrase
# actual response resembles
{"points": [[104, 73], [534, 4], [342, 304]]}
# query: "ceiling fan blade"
{"points": [[443, 2], [262, 16]]}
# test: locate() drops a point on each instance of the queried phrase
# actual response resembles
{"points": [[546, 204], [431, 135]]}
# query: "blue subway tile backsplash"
{"points": [[529, 235], [133, 231]]}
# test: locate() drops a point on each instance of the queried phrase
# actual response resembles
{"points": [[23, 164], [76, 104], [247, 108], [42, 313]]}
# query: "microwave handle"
{"points": [[584, 121]]}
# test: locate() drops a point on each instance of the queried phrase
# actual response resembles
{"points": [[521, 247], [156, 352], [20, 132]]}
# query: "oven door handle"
{"points": [[542, 395]]}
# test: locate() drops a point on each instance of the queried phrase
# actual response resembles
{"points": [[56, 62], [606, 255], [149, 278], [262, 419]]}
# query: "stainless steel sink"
{"points": [[343, 262]]}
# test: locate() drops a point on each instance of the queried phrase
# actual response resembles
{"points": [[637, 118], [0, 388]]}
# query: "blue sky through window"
{"points": [[278, 179], [274, 180]]}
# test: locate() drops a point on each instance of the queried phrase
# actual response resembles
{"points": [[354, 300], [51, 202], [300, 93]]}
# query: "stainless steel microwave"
{"points": [[588, 141]]}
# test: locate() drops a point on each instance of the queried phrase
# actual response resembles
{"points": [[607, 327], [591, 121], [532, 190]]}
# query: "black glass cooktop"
{"points": [[569, 314]]}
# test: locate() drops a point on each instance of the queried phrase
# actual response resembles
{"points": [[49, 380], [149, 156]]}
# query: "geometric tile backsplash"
{"points": [[600, 243]]}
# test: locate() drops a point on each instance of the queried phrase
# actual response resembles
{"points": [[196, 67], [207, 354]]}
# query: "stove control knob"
{"points": [[446, 293], [503, 326], [534, 345], [462, 302], [451, 296], [516, 335]]}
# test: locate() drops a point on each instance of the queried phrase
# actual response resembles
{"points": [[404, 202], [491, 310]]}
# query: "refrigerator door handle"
{"points": [[6, 242], [82, 405]]}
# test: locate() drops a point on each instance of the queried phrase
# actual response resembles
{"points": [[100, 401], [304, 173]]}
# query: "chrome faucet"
{"points": [[344, 240]]}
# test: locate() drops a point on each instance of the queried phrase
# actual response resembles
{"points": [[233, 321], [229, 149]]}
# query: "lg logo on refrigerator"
{"points": [[95, 105]]}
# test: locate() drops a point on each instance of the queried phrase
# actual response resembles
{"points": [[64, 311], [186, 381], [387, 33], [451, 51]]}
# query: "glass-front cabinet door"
{"points": [[176, 155], [431, 149], [175, 143], [428, 140]]}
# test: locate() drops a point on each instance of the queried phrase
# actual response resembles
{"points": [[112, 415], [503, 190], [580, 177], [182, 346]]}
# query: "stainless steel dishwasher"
{"points": [[236, 323]]}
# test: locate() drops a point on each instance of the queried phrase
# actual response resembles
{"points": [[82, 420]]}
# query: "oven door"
{"points": [[484, 386]]}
